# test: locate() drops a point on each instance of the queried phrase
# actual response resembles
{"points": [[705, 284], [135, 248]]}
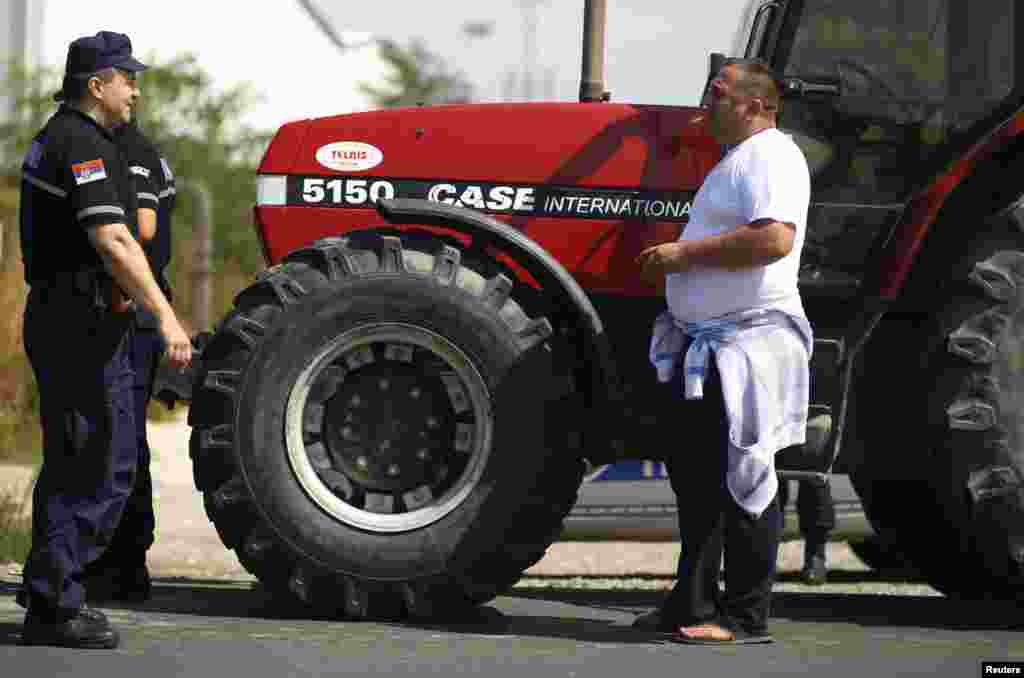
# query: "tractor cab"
{"points": [[882, 96]]}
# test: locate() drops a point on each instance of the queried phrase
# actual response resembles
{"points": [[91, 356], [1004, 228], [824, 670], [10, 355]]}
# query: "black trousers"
{"points": [[82, 365], [814, 508], [711, 523]]}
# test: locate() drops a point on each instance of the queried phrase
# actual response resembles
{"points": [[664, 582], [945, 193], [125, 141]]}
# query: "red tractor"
{"points": [[395, 417]]}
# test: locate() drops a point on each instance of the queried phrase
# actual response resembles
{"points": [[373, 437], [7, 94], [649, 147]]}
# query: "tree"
{"points": [[418, 77], [199, 130], [32, 90]]}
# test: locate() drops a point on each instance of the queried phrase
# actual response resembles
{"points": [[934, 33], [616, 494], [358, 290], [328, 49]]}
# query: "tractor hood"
{"points": [[565, 144]]}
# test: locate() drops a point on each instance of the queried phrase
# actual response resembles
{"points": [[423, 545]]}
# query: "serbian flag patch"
{"points": [[90, 170]]}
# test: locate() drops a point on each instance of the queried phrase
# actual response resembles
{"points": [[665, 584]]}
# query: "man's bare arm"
{"points": [[749, 246], [147, 223], [125, 261]]}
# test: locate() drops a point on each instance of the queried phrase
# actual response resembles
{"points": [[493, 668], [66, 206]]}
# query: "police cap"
{"points": [[95, 53]]}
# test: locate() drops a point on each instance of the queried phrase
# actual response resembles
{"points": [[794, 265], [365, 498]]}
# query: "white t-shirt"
{"points": [[764, 177]]}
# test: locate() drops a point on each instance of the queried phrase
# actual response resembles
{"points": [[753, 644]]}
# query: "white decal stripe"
{"points": [[43, 185], [271, 190], [100, 209]]}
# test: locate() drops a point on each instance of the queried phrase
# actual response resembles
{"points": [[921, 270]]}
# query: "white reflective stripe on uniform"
{"points": [[100, 209], [43, 185], [166, 193], [148, 196], [168, 174]]}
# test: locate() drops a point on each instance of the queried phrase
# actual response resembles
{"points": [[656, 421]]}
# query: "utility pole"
{"points": [[530, 22], [202, 254]]}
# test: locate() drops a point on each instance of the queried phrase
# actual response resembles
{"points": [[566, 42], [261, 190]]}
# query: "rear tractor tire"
{"points": [[955, 507], [373, 431]]}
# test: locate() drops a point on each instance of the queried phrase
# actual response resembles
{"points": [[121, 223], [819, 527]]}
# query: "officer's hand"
{"points": [[178, 345]]}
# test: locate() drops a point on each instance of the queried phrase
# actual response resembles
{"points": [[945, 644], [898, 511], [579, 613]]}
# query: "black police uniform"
{"points": [[815, 511], [124, 563], [73, 179]]}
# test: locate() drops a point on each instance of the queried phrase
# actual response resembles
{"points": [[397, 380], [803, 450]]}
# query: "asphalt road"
{"points": [[210, 628]]}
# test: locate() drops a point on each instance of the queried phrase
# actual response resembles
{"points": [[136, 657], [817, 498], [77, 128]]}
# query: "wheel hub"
{"points": [[389, 427]]}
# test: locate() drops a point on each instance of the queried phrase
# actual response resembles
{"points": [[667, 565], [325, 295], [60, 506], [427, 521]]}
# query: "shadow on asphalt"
{"points": [[10, 634], [189, 597], [865, 609], [216, 598]]}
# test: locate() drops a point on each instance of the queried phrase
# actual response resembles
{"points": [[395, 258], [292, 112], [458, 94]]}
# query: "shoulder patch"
{"points": [[88, 171], [140, 170], [168, 175], [34, 155]]}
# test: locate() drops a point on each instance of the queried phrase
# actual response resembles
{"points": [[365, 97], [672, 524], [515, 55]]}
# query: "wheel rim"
{"points": [[388, 429]]}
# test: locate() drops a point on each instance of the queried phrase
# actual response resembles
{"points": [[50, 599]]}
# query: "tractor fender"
{"points": [[538, 262], [976, 196]]}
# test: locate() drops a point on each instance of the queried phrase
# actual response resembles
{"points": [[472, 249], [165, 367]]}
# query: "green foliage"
{"points": [[20, 437], [19, 424], [418, 77], [198, 129], [15, 526], [32, 91]]}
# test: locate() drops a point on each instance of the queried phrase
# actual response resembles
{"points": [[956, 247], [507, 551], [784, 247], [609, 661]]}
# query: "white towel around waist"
{"points": [[763, 361]]}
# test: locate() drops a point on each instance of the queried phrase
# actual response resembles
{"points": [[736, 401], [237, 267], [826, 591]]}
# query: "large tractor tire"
{"points": [[943, 470], [373, 431]]}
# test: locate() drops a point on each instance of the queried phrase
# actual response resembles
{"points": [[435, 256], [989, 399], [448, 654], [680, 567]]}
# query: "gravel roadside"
{"points": [[187, 544]]}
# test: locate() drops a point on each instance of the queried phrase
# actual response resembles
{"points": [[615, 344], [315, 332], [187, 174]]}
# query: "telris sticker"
{"points": [[349, 156]]}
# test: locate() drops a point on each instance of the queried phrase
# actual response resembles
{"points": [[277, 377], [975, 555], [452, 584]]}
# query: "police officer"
{"points": [[121, 572], [817, 515], [84, 267]]}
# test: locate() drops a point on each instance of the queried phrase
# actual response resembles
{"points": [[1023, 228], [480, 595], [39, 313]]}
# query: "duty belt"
{"points": [[98, 288]]}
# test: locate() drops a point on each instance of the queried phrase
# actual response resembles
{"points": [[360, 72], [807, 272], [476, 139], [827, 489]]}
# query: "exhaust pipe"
{"points": [[592, 79]]}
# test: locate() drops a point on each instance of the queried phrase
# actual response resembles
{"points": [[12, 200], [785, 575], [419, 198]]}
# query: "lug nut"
{"points": [[384, 384], [415, 394], [385, 446], [432, 422], [355, 401], [393, 470], [423, 454], [363, 463]]}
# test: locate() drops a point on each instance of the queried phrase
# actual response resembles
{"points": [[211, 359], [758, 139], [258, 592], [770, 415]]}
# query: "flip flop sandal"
{"points": [[714, 634]]}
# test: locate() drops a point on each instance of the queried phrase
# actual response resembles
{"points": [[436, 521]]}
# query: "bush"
{"points": [[15, 527], [20, 435]]}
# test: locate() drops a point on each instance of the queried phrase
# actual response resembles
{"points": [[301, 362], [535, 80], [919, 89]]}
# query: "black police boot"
{"points": [[87, 628], [133, 584], [815, 570], [125, 579]]}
